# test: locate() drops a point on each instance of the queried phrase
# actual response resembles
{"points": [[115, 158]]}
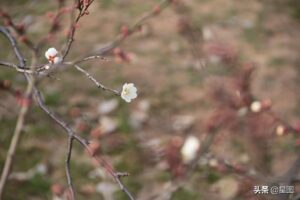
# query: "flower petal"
{"points": [[57, 60], [51, 52], [133, 95], [133, 90], [130, 85], [125, 86], [126, 98]]}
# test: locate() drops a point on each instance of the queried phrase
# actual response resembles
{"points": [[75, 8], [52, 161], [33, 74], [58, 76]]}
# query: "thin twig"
{"points": [[108, 47], [91, 58], [13, 43], [11, 65], [19, 32], [54, 25], [82, 11], [68, 166], [40, 102], [98, 84], [108, 167], [281, 121], [136, 26]]}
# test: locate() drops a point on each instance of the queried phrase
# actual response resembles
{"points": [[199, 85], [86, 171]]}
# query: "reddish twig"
{"points": [[18, 29], [83, 10], [135, 27], [105, 49], [54, 24]]}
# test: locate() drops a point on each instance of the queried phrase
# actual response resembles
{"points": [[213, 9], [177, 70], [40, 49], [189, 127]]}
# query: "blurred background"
{"points": [[218, 107]]}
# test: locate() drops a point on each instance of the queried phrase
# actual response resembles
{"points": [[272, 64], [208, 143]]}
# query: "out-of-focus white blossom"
{"points": [[256, 106], [52, 56], [107, 189], [129, 92], [213, 162], [207, 33], [280, 130], [57, 198], [108, 125], [242, 111], [190, 149], [108, 106]]}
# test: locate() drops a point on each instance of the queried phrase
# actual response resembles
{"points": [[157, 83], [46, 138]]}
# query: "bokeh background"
{"points": [[187, 63]]}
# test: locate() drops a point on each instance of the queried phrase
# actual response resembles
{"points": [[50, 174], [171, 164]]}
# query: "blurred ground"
{"points": [[171, 86]]}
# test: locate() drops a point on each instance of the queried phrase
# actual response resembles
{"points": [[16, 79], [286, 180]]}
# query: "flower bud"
{"points": [[21, 27], [96, 132], [7, 22], [156, 9], [57, 189], [266, 104], [124, 31], [23, 38]]}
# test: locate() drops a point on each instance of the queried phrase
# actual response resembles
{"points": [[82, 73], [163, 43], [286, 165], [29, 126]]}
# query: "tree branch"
{"points": [[13, 43], [136, 26], [97, 83], [68, 166], [11, 65], [22, 113], [83, 7], [83, 142]]}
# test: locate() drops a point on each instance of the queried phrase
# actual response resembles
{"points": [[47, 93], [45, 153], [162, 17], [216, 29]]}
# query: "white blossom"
{"points": [[190, 149], [52, 56], [256, 106], [129, 92], [51, 52]]}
